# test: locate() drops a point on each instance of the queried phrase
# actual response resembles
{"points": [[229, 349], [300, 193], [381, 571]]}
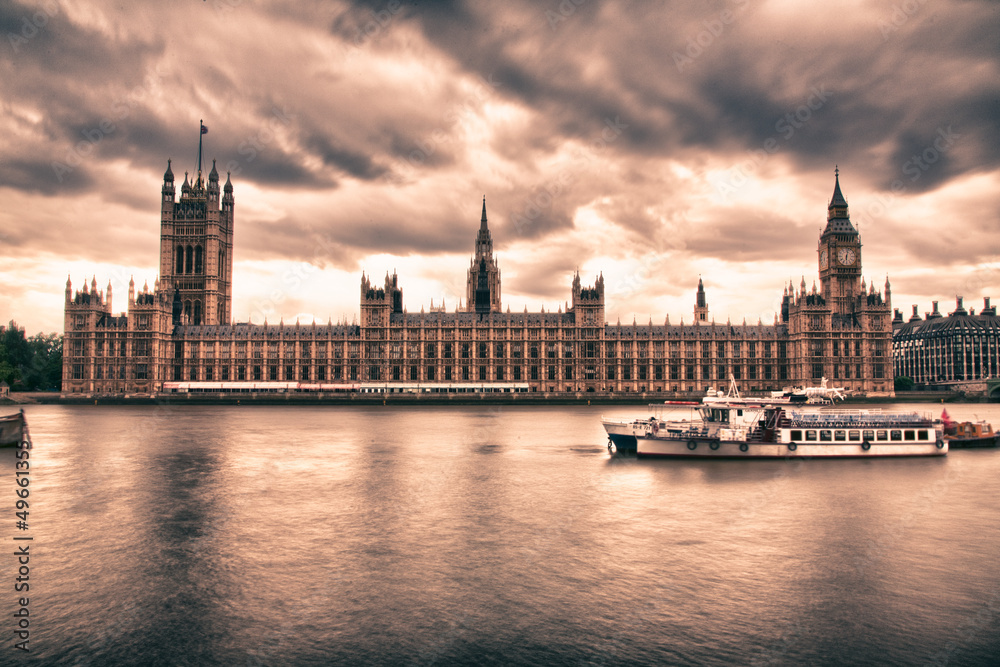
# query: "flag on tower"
{"points": [[204, 130]]}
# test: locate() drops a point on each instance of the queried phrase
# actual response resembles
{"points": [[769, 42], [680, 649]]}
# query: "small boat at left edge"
{"points": [[14, 430]]}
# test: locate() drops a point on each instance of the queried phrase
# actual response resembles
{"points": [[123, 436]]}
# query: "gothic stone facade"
{"points": [[181, 330]]}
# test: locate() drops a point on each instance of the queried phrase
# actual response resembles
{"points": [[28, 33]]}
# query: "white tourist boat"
{"points": [[623, 434], [781, 427]]}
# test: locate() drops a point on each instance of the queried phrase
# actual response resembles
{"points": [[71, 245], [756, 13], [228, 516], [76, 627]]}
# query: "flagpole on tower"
{"points": [[201, 131]]}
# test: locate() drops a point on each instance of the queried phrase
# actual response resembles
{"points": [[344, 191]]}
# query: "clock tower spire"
{"points": [[839, 254]]}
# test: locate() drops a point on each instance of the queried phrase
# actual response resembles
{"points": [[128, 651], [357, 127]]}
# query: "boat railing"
{"points": [[839, 412], [683, 433], [848, 419]]}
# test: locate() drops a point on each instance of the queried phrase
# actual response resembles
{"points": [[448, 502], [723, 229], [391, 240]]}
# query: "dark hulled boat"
{"points": [[13, 429]]}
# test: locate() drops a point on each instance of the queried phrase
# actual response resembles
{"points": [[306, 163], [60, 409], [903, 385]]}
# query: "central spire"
{"points": [[838, 196], [838, 218], [484, 240], [483, 287]]}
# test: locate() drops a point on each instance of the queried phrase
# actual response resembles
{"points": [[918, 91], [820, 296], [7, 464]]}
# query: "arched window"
{"points": [[180, 259], [187, 311], [188, 257], [198, 259], [197, 312]]}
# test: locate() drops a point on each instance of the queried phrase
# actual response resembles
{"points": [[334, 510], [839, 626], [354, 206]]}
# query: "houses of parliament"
{"points": [[180, 335]]}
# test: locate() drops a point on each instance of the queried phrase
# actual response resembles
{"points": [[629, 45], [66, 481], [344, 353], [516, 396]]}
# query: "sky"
{"points": [[655, 143]]}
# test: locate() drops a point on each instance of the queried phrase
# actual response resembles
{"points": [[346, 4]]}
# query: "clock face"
{"points": [[824, 258], [846, 256]]}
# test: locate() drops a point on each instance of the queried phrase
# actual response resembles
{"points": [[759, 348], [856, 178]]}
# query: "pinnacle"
{"points": [[838, 196]]}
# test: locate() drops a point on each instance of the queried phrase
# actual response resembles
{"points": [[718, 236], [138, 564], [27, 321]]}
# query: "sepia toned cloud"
{"points": [[701, 135]]}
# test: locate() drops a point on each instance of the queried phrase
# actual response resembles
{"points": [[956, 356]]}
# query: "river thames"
{"points": [[260, 535]]}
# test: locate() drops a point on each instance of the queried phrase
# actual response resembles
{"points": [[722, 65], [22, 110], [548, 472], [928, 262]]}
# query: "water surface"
{"points": [[490, 535]]}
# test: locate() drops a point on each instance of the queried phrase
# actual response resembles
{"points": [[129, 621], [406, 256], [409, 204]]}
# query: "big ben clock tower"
{"points": [[839, 255]]}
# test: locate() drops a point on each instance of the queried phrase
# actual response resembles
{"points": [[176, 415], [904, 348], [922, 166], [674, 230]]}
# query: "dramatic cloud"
{"points": [[651, 142]]}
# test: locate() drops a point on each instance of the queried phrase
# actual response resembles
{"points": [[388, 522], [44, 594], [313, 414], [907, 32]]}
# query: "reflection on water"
{"points": [[311, 535]]}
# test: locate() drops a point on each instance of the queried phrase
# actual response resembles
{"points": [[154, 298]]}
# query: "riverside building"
{"points": [[946, 350], [179, 335]]}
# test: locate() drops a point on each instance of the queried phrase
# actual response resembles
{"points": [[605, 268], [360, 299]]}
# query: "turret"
{"points": [[700, 305], [227, 197], [213, 184], [588, 302], [168, 187]]}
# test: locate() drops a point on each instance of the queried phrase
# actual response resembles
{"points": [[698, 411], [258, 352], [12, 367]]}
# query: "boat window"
{"points": [[882, 435], [923, 434], [854, 435], [825, 436], [868, 435], [739, 413], [895, 435], [840, 435], [795, 435], [724, 415], [908, 434], [811, 435]]}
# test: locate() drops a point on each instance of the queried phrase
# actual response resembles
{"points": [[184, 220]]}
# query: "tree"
{"points": [[45, 372], [904, 383], [30, 364]]}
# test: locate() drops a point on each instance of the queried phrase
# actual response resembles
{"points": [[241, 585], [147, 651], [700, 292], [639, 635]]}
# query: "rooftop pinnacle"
{"points": [[838, 197]]}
